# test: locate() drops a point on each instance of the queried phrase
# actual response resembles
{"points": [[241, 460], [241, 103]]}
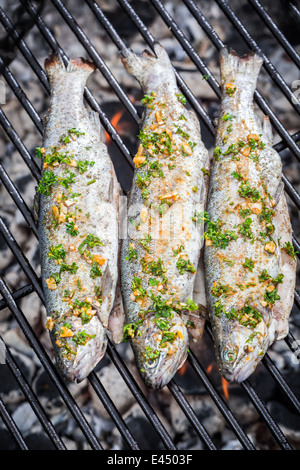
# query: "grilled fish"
{"points": [[78, 223], [159, 258], [249, 259]]}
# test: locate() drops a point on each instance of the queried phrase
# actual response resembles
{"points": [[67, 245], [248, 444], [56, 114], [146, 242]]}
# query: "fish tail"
{"points": [[143, 65], [54, 66], [234, 67]]}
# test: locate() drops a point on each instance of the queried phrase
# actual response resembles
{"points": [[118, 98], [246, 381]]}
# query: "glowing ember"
{"points": [[225, 385], [114, 121], [182, 369]]}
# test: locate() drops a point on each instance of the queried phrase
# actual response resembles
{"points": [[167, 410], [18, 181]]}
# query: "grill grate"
{"points": [[10, 299]]}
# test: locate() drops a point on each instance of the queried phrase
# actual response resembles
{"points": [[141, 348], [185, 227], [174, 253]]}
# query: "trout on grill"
{"points": [[159, 259], [249, 258], [78, 223]]}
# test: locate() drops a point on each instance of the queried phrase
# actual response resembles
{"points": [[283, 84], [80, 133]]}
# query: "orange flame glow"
{"points": [[182, 369], [224, 382], [114, 121], [225, 385]]}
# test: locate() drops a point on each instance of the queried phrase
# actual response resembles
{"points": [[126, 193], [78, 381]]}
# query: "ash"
{"points": [[163, 402]]}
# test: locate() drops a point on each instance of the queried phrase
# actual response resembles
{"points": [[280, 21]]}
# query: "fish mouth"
{"points": [[85, 361], [77, 361], [163, 376], [240, 373], [242, 367], [158, 362]]}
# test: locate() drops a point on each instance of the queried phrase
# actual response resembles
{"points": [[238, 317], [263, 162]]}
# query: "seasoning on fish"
{"points": [[160, 256], [78, 223], [250, 277]]}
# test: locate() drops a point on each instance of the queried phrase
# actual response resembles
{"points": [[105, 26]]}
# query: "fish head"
{"points": [[77, 355], [160, 349], [240, 348]]}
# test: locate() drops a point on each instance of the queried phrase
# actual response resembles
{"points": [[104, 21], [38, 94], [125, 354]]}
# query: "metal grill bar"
{"points": [[48, 366], [112, 411], [48, 36], [207, 28], [224, 409], [9, 299], [147, 410], [263, 411], [150, 40], [40, 73], [19, 201], [286, 390], [191, 415], [21, 258], [96, 58], [34, 402], [257, 402], [276, 31], [27, 105], [12, 427], [134, 17], [30, 162], [269, 67], [138, 394]]}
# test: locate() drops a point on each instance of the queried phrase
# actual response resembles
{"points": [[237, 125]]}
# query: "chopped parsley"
{"points": [[57, 252], [219, 238], [71, 230], [246, 316], [130, 330], [82, 337], [245, 229], [200, 217], [46, 182], [237, 175], [288, 247], [220, 289], [271, 297], [72, 268], [90, 241], [184, 264], [95, 270], [249, 263], [82, 165], [148, 99], [249, 192], [217, 153], [132, 253], [181, 98], [227, 117]]}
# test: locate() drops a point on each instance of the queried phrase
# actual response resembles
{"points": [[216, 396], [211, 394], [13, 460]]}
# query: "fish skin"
{"points": [[79, 346], [239, 348], [170, 229]]}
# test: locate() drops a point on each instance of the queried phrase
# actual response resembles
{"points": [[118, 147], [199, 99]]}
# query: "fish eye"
{"points": [[151, 363], [229, 355]]}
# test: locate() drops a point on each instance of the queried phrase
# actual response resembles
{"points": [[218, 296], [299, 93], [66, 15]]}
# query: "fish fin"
{"points": [[232, 65], [267, 130], [54, 63], [282, 308], [78, 63], [140, 64]]}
